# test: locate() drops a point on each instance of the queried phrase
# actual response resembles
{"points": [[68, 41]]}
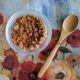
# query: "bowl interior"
{"points": [[10, 26]]}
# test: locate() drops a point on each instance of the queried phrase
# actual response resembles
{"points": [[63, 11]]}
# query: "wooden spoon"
{"points": [[69, 25]]}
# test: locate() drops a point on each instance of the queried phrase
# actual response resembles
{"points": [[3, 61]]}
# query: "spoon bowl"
{"points": [[70, 23]]}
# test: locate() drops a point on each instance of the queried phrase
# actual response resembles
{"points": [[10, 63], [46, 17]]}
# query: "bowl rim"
{"points": [[33, 12]]}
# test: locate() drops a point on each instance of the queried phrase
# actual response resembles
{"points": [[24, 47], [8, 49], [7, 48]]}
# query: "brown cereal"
{"points": [[29, 32]]}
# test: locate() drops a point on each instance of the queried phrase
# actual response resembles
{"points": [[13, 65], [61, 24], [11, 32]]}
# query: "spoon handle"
{"points": [[49, 59]]}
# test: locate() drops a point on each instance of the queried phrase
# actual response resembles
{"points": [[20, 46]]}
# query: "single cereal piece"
{"points": [[29, 32], [16, 27], [21, 45]]}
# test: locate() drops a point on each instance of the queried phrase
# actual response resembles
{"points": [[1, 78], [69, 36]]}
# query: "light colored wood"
{"points": [[69, 25]]}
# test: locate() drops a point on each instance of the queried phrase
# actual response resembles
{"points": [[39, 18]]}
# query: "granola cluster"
{"points": [[29, 32]]}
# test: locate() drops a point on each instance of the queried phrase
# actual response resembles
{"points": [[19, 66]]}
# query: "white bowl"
{"points": [[10, 26]]}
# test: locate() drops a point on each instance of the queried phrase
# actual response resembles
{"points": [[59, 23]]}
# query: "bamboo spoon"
{"points": [[69, 25]]}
